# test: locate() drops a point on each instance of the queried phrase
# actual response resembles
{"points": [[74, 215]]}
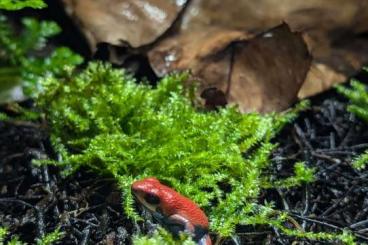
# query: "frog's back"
{"points": [[176, 203]]}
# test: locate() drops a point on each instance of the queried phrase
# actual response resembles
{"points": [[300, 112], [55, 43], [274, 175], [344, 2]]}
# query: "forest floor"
{"points": [[34, 200]]}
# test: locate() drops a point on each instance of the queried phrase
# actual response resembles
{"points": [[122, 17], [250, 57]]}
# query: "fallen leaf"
{"points": [[324, 24], [129, 22], [182, 53], [268, 71], [262, 73], [335, 65], [320, 77]]}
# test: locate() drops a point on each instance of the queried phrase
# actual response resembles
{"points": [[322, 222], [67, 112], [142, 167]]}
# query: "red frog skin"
{"points": [[172, 210]]}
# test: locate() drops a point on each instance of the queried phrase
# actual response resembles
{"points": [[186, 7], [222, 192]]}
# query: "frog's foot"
{"points": [[205, 240]]}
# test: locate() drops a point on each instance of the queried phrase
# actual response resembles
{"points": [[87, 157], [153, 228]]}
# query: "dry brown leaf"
{"points": [[134, 22], [268, 71], [180, 52], [324, 23], [320, 77], [335, 65], [264, 73], [206, 57]]}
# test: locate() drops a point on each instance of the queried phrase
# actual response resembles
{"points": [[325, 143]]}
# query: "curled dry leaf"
{"points": [[269, 70], [325, 24], [263, 73], [133, 22]]}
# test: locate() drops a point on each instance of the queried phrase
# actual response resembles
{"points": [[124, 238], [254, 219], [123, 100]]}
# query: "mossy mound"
{"points": [[103, 119]]}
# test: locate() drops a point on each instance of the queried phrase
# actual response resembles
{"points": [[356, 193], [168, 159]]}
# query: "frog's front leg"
{"points": [[181, 223], [177, 223]]}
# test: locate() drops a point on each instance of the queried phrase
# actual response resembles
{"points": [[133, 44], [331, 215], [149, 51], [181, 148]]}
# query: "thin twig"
{"points": [[357, 234]]}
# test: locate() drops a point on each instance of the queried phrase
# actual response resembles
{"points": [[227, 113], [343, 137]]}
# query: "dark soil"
{"points": [[36, 200], [326, 137]]}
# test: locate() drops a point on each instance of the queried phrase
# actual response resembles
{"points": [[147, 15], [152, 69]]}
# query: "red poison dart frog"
{"points": [[172, 210]]}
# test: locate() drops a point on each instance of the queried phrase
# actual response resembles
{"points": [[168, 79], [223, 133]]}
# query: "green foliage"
{"points": [[13, 241], [21, 62], [361, 161], [48, 239], [162, 237], [303, 174], [103, 119], [19, 4], [3, 233], [345, 237], [3, 117], [358, 97]]}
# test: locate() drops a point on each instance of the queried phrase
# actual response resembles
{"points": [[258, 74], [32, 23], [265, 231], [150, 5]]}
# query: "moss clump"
{"points": [[20, 4], [358, 96], [47, 239], [103, 119], [162, 237]]}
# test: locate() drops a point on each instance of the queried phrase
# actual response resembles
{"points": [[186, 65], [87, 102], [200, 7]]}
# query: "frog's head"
{"points": [[147, 193]]}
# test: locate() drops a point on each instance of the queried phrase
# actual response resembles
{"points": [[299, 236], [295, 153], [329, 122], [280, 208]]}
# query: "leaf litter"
{"points": [[199, 35]]}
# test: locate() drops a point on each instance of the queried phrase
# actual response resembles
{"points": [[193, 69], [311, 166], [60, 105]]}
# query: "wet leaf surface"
{"points": [[119, 22]]}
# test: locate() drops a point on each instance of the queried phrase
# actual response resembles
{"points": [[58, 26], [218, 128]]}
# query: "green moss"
{"points": [[3, 233], [360, 162], [162, 237], [358, 96], [337, 238], [47, 239], [103, 119], [50, 238], [19, 4]]}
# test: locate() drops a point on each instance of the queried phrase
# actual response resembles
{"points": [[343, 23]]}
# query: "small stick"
{"points": [[86, 233]]}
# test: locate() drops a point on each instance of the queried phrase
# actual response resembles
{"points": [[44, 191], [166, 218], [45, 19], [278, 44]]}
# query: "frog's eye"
{"points": [[152, 199]]}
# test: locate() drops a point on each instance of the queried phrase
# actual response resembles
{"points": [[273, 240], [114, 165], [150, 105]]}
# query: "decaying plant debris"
{"points": [[331, 30]]}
